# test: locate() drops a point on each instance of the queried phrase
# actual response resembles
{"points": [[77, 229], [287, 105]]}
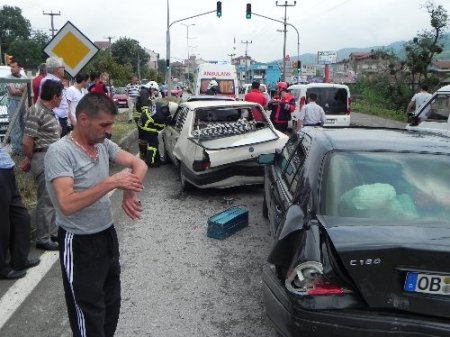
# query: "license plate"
{"points": [[427, 283], [330, 121]]}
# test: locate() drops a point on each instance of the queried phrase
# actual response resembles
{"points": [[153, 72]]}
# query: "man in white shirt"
{"points": [[311, 114], [75, 93], [418, 99]]}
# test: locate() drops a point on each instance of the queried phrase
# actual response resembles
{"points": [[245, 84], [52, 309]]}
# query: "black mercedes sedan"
{"points": [[360, 223]]}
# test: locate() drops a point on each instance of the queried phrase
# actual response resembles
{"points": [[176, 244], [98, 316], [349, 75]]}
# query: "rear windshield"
{"points": [[333, 100], [226, 87], [387, 186], [219, 122], [120, 90]]}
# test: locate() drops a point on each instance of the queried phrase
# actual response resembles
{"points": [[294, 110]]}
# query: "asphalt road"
{"points": [[176, 281]]}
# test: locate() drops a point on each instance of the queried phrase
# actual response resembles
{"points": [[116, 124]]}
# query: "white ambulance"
{"points": [[223, 73]]}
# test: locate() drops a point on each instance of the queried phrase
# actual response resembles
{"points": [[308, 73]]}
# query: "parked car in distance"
{"points": [[360, 223], [120, 97], [214, 144], [333, 98], [4, 118], [194, 98], [434, 114]]}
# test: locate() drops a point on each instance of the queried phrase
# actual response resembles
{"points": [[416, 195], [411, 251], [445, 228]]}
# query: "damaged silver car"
{"points": [[214, 144]]}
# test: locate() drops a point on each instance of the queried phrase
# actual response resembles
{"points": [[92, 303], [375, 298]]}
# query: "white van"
{"points": [[248, 87], [224, 74], [333, 98], [434, 114]]}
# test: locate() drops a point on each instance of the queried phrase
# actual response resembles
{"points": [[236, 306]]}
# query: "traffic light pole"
{"points": [[169, 71], [287, 24]]}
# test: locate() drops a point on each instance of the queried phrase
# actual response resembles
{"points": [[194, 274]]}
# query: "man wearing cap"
{"points": [[282, 107]]}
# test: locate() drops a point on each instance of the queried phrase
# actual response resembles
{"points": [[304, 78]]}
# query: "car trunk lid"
{"points": [[395, 266], [244, 146]]}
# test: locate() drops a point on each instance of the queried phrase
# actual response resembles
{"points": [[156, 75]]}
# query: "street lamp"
{"points": [[187, 45], [168, 73]]}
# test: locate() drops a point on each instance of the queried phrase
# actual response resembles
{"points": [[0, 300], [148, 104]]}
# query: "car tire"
{"points": [[186, 186], [265, 210]]}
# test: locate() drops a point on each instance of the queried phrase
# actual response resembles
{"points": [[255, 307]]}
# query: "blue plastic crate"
{"points": [[227, 222]]}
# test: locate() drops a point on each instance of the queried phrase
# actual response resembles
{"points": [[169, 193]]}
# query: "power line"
{"points": [[53, 30]]}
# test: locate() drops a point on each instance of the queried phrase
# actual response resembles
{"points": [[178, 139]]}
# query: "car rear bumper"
{"points": [[290, 319], [228, 176]]}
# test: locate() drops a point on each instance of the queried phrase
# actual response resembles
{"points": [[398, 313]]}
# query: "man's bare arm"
{"points": [[71, 202]]}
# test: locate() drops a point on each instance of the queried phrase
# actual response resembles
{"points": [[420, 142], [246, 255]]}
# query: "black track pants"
{"points": [[91, 277]]}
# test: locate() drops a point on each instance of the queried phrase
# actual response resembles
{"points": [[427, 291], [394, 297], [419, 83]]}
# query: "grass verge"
{"points": [[370, 109]]}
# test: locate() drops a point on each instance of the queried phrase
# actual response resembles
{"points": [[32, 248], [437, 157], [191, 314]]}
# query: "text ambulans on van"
{"points": [[333, 98], [224, 74]]}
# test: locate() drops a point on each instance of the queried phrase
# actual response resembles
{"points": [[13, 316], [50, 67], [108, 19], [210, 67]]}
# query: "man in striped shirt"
{"points": [[41, 130], [133, 91]]}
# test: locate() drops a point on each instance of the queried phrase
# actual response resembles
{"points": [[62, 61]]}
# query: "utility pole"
{"points": [[53, 30], [231, 57], [188, 59], [246, 42], [285, 5], [109, 43]]}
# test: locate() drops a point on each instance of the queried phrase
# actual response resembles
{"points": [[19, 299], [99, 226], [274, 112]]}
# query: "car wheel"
{"points": [[265, 210], [185, 185]]}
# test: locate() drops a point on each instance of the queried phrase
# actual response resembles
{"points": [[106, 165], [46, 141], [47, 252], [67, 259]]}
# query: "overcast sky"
{"points": [[323, 25]]}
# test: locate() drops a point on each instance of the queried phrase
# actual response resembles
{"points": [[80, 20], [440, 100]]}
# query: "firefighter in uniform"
{"points": [[281, 107], [151, 118]]}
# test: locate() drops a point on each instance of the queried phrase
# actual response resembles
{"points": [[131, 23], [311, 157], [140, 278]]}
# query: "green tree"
{"points": [[127, 51], [104, 62], [28, 52], [421, 50], [12, 26]]}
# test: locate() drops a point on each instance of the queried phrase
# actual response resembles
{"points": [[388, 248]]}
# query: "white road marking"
{"points": [[21, 288]]}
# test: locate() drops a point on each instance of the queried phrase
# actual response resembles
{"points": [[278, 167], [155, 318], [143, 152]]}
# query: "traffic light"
{"points": [[167, 64], [248, 12], [8, 59], [299, 64], [219, 9]]}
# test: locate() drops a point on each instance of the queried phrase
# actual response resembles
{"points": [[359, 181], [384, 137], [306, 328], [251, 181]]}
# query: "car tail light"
{"points": [[302, 102], [308, 279], [201, 165]]}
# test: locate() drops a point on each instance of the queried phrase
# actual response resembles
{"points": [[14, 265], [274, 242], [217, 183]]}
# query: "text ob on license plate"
{"points": [[427, 283]]}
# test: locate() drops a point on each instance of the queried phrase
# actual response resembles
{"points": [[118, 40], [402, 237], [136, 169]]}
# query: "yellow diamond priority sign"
{"points": [[73, 47]]}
